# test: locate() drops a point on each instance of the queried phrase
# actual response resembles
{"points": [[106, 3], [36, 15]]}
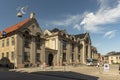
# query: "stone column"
{"points": [[83, 53], [33, 51], [42, 52], [68, 52], [59, 52], [89, 51], [18, 51], [76, 54]]}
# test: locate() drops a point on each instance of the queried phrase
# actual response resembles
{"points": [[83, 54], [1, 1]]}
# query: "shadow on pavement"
{"points": [[4, 69], [67, 75]]}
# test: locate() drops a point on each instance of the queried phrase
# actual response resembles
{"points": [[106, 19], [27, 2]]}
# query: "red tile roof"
{"points": [[16, 26]]}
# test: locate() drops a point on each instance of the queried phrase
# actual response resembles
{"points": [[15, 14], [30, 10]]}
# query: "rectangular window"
{"points": [[79, 57], [116, 57], [12, 55], [72, 57], [7, 43], [72, 47], [64, 57], [7, 54], [26, 56], [37, 57], [38, 43], [64, 45], [2, 55], [13, 41], [2, 43]]}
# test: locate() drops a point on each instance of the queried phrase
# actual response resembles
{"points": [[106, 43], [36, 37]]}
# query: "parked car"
{"points": [[5, 62], [89, 64]]}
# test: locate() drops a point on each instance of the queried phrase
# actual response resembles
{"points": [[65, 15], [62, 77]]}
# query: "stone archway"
{"points": [[50, 59]]}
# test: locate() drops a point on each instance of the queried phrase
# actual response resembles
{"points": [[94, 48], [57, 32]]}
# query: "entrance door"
{"points": [[50, 59]]}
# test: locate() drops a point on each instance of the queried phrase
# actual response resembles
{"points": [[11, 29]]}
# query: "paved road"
{"points": [[5, 75], [112, 74], [61, 73]]}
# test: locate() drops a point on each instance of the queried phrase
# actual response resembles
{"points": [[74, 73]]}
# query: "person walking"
{"points": [[98, 64]]}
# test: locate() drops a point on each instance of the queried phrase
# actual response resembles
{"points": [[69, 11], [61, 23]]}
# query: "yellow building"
{"points": [[23, 43], [114, 59]]}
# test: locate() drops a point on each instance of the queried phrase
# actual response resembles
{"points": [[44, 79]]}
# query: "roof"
{"points": [[16, 26], [115, 54], [55, 30], [81, 36]]}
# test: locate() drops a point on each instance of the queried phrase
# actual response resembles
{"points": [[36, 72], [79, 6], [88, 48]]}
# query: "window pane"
{"points": [[64, 57], [12, 55], [2, 55], [38, 57], [2, 43], [7, 43], [13, 41], [7, 54], [26, 56]]}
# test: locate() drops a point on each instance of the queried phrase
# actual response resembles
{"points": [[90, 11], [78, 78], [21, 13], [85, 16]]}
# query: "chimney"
{"points": [[32, 15]]}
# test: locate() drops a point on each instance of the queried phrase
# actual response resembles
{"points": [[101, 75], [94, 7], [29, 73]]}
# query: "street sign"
{"points": [[106, 67]]}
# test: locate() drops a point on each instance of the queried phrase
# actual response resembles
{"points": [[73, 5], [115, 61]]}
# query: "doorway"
{"points": [[50, 59]]}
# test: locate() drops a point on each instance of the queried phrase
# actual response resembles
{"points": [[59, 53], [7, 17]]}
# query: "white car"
{"points": [[89, 64]]}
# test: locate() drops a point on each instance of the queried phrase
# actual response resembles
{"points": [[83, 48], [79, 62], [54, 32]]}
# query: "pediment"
{"points": [[32, 27], [47, 32]]}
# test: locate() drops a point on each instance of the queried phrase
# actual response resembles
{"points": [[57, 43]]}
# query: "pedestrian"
{"points": [[98, 64], [44, 66]]}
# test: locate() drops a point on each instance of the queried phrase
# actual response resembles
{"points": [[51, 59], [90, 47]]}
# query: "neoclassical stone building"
{"points": [[23, 43], [68, 48]]}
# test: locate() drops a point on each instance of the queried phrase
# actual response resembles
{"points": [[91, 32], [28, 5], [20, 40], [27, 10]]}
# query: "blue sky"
{"points": [[101, 18]]}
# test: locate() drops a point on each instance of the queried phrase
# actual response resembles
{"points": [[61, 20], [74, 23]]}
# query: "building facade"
{"points": [[70, 49], [23, 44], [114, 59]]}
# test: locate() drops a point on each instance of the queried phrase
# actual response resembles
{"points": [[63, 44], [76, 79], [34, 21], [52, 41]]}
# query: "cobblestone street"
{"points": [[75, 73], [112, 74]]}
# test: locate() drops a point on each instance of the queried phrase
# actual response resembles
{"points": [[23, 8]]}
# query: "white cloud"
{"points": [[105, 15], [77, 26], [110, 34], [69, 20], [93, 21]]}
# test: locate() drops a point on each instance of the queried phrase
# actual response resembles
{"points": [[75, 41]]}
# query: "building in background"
{"points": [[112, 58]]}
